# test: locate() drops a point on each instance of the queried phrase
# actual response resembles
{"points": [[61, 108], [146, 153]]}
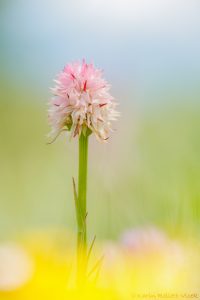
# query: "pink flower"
{"points": [[140, 240], [82, 102]]}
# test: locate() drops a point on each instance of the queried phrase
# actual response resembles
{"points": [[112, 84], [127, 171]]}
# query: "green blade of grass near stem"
{"points": [[96, 267]]}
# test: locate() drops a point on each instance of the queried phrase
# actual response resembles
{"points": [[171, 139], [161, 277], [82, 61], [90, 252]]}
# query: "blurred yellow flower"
{"points": [[42, 266]]}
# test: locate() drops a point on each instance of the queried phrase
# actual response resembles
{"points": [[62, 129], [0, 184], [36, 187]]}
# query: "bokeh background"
{"points": [[148, 173]]}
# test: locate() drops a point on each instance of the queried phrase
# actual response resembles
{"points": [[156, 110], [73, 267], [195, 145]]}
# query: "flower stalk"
{"points": [[81, 208]]}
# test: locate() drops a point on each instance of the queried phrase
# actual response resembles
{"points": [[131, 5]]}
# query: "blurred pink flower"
{"points": [[82, 101], [140, 240], [152, 241]]}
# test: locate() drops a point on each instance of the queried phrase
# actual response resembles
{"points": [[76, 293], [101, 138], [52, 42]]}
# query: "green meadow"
{"points": [[147, 174]]}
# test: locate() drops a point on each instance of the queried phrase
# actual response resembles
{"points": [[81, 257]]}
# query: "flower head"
{"points": [[82, 102]]}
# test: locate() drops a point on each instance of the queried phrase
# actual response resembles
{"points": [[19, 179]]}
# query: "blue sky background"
{"points": [[144, 46]]}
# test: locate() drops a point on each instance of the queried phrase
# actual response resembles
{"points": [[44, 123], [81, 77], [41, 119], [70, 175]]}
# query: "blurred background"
{"points": [[148, 173]]}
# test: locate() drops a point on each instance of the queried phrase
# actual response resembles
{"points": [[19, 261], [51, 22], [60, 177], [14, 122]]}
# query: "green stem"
{"points": [[81, 207]]}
